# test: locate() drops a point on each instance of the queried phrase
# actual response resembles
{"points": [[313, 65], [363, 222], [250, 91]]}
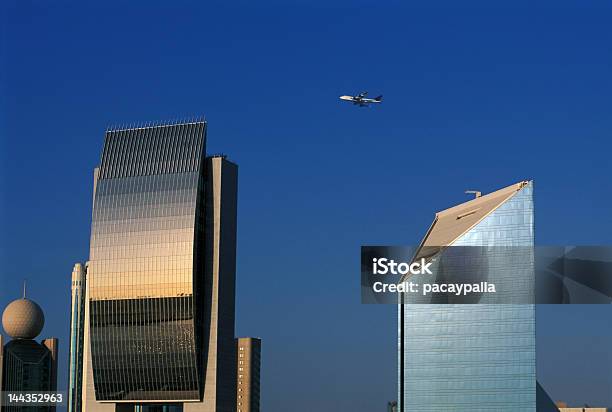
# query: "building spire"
{"points": [[24, 288]]}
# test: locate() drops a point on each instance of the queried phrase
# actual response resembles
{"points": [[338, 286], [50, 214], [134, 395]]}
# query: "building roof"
{"points": [[152, 150], [452, 223]]}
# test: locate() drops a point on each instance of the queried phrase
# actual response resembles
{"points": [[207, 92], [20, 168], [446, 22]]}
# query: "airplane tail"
{"points": [[378, 98]]}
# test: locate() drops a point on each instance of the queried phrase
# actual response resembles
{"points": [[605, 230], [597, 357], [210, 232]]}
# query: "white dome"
{"points": [[23, 319]]}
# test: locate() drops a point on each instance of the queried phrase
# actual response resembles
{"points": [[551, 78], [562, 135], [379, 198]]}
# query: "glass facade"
{"points": [[474, 357], [146, 258]]}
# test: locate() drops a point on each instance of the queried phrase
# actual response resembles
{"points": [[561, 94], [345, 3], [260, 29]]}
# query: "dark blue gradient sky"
{"points": [[476, 96]]}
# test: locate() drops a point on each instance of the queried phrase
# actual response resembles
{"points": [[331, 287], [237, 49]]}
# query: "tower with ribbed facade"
{"points": [[159, 329]]}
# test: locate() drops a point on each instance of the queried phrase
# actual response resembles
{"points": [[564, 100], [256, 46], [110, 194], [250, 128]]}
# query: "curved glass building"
{"points": [[160, 280]]}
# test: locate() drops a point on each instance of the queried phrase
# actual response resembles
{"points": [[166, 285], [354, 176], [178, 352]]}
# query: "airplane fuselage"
{"points": [[360, 100]]}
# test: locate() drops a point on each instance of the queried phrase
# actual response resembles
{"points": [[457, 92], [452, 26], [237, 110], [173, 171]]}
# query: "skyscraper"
{"points": [[77, 319], [473, 357], [26, 364], [160, 296], [248, 374]]}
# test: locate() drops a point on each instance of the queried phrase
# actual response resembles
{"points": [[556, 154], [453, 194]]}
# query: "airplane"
{"points": [[361, 99]]}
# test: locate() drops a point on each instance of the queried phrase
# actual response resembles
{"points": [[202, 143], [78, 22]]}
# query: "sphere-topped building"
{"points": [[23, 319], [25, 364]]}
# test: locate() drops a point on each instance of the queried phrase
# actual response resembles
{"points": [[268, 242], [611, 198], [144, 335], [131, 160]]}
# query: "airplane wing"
{"points": [[362, 94]]}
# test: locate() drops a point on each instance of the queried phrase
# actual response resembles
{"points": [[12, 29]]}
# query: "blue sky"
{"points": [[477, 96]]}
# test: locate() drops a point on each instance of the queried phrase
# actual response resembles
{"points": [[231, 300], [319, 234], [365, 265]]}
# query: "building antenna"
{"points": [[476, 193], [24, 288]]}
